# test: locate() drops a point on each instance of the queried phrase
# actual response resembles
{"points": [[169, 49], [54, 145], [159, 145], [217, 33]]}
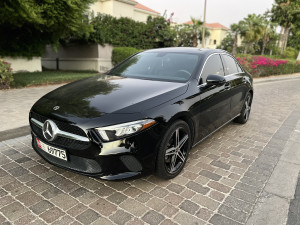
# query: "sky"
{"points": [[225, 12]]}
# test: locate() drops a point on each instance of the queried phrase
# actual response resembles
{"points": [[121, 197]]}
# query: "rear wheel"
{"points": [[173, 150], [245, 113]]}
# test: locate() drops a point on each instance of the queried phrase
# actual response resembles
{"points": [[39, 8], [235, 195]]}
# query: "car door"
{"points": [[212, 106], [234, 76]]}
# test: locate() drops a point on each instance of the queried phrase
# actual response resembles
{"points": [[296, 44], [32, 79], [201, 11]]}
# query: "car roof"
{"points": [[200, 51]]}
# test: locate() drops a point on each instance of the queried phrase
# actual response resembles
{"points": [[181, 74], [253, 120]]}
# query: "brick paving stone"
{"points": [[5, 201], [120, 217], [52, 215], [197, 187], [175, 188], [204, 214], [220, 164], [103, 221], [247, 188], [117, 198], [168, 222], [77, 209], [14, 211], [187, 193], [88, 198], [104, 191], [29, 198], [152, 217], [205, 202], [144, 197], [38, 169], [40, 187], [219, 187], [18, 171], [159, 192], [41, 207], [185, 218], [230, 212], [12, 185], [173, 199], [51, 192], [210, 175], [156, 204], [217, 219], [88, 216], [2, 192], [134, 207], [63, 201], [135, 221], [169, 211], [103, 207], [64, 220], [216, 195], [25, 220], [78, 192], [189, 206]]}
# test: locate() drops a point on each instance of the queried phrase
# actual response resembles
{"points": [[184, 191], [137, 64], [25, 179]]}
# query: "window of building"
{"points": [[215, 42]]}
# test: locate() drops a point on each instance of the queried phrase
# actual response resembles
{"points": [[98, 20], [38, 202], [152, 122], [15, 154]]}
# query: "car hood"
{"points": [[103, 94]]}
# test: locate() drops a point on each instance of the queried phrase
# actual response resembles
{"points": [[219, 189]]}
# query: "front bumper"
{"points": [[113, 160]]}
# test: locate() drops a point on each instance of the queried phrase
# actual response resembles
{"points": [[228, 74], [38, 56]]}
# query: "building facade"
{"points": [[217, 33]]}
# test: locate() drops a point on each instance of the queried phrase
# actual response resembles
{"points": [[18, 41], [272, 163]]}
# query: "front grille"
{"points": [[61, 125], [59, 140]]}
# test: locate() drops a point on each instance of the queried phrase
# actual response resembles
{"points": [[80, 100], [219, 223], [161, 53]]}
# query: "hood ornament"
{"points": [[56, 107]]}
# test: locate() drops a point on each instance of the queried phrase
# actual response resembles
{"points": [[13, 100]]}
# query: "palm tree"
{"points": [[237, 29], [196, 30], [253, 30]]}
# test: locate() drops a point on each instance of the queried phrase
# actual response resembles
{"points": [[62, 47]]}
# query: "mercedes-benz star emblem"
{"points": [[56, 107], [50, 130]]}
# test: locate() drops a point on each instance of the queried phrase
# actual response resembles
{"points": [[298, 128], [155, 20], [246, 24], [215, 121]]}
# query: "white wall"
{"points": [[19, 64], [79, 57]]}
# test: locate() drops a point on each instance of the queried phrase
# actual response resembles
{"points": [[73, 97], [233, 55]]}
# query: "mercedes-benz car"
{"points": [[142, 116]]}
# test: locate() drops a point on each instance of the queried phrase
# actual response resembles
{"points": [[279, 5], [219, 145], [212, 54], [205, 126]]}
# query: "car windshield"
{"points": [[174, 67]]}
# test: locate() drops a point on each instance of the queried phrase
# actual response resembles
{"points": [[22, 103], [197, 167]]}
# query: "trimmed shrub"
{"points": [[6, 75], [121, 53], [260, 66]]}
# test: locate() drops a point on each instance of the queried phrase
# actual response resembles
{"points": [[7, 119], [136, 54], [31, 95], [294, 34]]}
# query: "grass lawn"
{"points": [[27, 79]]}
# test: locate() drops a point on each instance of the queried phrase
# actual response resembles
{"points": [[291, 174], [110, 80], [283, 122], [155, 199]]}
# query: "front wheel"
{"points": [[245, 113], [173, 150]]}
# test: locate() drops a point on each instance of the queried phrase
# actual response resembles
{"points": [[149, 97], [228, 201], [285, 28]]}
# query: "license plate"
{"points": [[56, 152]]}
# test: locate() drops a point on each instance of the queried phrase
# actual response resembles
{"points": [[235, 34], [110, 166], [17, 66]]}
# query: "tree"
{"points": [[27, 26], [287, 14], [253, 30], [196, 30], [227, 43], [237, 29]]}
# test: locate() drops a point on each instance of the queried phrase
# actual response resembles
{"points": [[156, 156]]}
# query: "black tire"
{"points": [[171, 158], [245, 113]]}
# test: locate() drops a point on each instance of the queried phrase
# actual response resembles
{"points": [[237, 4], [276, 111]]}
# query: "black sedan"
{"points": [[143, 115]]}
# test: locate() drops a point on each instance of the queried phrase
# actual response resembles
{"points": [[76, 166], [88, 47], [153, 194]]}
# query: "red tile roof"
{"points": [[210, 25], [143, 7]]}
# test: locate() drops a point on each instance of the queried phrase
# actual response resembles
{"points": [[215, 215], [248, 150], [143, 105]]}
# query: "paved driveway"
{"points": [[222, 182]]}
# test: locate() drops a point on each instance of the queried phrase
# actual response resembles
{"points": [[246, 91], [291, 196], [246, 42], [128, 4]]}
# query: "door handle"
{"points": [[227, 86]]}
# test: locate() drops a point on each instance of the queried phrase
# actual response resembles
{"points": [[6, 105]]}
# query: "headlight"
{"points": [[124, 129]]}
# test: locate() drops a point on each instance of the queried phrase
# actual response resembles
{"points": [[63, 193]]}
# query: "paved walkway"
{"points": [[243, 174], [15, 105]]}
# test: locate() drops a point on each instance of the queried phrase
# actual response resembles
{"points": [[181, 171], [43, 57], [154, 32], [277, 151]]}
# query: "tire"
{"points": [[171, 158], [245, 113]]}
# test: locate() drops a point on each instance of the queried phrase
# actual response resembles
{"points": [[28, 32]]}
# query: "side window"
{"points": [[239, 68], [213, 66], [230, 65]]}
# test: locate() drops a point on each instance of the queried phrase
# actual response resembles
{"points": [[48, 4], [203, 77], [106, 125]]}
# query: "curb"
{"points": [[272, 79], [14, 133]]}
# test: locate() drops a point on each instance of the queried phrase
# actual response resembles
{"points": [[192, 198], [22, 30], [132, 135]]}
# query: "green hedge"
{"points": [[121, 53], [6, 75]]}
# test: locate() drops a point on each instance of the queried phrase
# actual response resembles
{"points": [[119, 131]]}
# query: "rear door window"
{"points": [[230, 65]]}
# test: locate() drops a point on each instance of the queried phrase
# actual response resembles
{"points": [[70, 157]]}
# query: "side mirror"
{"points": [[215, 80]]}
